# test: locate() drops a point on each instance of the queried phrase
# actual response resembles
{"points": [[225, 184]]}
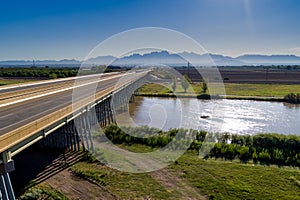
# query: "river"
{"points": [[233, 116]]}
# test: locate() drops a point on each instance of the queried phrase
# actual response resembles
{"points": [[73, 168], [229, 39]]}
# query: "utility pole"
{"points": [[189, 70], [267, 71]]}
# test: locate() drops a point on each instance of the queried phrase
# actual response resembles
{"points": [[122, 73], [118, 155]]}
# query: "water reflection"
{"points": [[233, 116], [292, 106]]}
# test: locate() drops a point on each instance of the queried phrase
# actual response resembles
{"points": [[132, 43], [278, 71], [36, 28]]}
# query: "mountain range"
{"points": [[166, 58]]}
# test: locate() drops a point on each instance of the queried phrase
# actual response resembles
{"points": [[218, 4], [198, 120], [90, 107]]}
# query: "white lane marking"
{"points": [[3, 116], [57, 91], [53, 81], [32, 116], [53, 108]]}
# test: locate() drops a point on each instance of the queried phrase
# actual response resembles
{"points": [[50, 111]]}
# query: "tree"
{"points": [[185, 84], [188, 78], [174, 85], [292, 98], [244, 154], [278, 157], [230, 151], [254, 157], [204, 86], [52, 76], [264, 157]]}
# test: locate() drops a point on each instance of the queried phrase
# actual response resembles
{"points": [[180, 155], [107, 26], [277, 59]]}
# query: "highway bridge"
{"points": [[48, 110]]}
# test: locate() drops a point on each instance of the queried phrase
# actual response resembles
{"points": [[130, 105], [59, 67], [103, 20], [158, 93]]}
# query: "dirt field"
{"points": [[250, 75], [52, 169]]}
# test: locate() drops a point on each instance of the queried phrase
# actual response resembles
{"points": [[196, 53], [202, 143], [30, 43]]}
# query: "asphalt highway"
{"points": [[49, 83], [18, 114]]}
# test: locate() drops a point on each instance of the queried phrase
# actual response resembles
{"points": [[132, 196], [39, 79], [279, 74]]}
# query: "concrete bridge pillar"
{"points": [[6, 166]]}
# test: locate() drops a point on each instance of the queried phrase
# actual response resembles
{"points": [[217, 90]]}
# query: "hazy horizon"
{"points": [[107, 55]]}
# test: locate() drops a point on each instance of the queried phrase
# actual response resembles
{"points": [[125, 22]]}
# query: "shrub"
{"points": [[264, 157], [265, 148], [255, 157], [292, 98], [244, 154], [204, 96]]}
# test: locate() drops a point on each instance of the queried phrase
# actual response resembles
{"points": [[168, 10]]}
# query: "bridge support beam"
{"points": [[6, 166], [121, 99], [63, 138]]}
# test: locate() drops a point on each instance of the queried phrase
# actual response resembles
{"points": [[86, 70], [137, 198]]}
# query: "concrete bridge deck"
{"points": [[30, 103]]}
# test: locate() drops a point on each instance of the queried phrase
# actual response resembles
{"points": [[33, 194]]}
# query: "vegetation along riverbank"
{"points": [[238, 167], [243, 91]]}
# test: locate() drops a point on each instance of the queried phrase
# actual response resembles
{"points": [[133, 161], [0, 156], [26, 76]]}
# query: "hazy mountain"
{"points": [[64, 61], [269, 59], [179, 59], [166, 58], [221, 60], [40, 62], [101, 60], [153, 58], [211, 59], [16, 62]]}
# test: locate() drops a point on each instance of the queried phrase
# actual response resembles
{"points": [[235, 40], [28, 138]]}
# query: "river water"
{"points": [[233, 116]]}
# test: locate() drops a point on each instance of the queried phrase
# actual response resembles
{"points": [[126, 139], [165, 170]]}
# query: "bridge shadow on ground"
{"points": [[35, 165]]}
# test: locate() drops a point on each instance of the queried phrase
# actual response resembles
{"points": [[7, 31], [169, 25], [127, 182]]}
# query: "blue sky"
{"points": [[60, 29]]}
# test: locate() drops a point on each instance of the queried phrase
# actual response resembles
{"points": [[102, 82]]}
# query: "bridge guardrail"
{"points": [[12, 138]]}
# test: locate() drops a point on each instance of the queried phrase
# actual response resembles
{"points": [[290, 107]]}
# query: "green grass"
{"points": [[125, 185], [90, 173], [137, 148], [42, 192], [264, 90], [231, 180], [232, 89], [216, 179], [13, 81]]}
